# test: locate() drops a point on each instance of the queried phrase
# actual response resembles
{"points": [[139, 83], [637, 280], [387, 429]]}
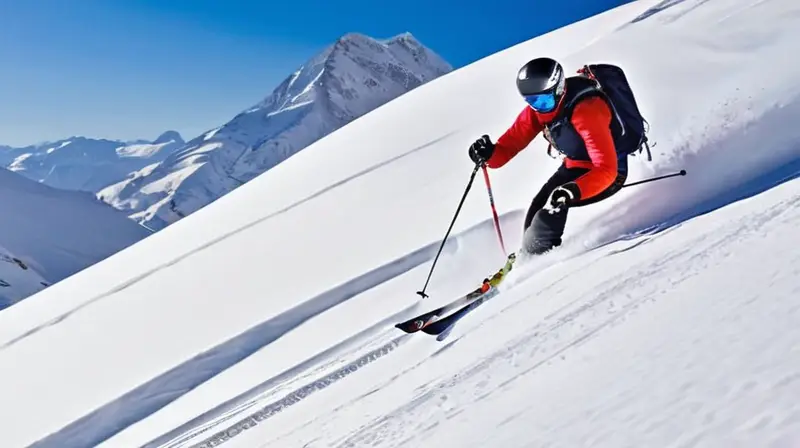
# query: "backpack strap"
{"points": [[587, 72], [649, 155], [550, 151], [598, 92]]}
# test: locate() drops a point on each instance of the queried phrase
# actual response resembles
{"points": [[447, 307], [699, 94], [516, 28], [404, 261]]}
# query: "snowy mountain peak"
{"points": [[169, 137], [352, 37], [404, 37], [350, 77], [406, 40], [401, 55]]}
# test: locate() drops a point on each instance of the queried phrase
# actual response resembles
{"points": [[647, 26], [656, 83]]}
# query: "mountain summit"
{"points": [[169, 137], [351, 77]]}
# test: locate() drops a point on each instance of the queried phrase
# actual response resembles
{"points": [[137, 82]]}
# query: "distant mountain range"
{"points": [[85, 164]]}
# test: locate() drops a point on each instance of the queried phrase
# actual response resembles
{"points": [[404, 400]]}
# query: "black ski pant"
{"points": [[543, 228]]}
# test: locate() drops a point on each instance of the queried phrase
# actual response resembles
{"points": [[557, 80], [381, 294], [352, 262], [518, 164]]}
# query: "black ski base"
{"points": [[441, 326], [417, 323], [439, 320], [422, 321]]}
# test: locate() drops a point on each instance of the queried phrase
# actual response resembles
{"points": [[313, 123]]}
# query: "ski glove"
{"points": [[481, 150], [565, 196]]}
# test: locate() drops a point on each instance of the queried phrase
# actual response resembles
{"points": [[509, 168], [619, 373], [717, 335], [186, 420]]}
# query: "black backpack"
{"points": [[611, 81]]}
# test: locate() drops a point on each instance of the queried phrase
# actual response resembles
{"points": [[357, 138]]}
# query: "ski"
{"points": [[443, 325], [441, 328], [423, 320], [443, 313]]}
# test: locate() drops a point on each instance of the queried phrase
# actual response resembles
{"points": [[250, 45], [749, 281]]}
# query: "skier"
{"points": [[578, 120], [594, 121]]}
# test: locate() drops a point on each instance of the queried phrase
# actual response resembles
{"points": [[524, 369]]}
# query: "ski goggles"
{"points": [[542, 102]]}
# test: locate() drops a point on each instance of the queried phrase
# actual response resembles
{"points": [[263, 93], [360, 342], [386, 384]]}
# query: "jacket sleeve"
{"points": [[525, 128], [592, 120]]}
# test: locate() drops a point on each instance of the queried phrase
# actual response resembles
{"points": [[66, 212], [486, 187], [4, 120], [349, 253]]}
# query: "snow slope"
{"points": [[351, 77], [86, 164], [48, 234], [668, 318]]}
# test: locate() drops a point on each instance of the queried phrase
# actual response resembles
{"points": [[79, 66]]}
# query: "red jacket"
{"points": [[591, 119]]}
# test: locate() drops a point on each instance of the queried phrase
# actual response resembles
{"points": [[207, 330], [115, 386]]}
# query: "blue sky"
{"points": [[128, 69]]}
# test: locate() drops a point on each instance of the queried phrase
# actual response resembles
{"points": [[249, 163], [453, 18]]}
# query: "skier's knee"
{"points": [[545, 232]]}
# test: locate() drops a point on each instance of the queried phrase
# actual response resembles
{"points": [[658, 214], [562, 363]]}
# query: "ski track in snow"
{"points": [[299, 394], [665, 5], [308, 373]]}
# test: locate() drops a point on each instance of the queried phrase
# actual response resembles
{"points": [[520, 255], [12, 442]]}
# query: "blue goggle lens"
{"points": [[543, 102]]}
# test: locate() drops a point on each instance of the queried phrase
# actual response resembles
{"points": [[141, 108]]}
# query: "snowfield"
{"points": [[668, 318], [48, 234]]}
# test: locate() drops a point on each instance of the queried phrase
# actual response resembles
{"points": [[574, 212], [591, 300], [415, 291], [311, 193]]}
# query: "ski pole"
{"points": [[653, 179], [458, 210], [494, 209]]}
